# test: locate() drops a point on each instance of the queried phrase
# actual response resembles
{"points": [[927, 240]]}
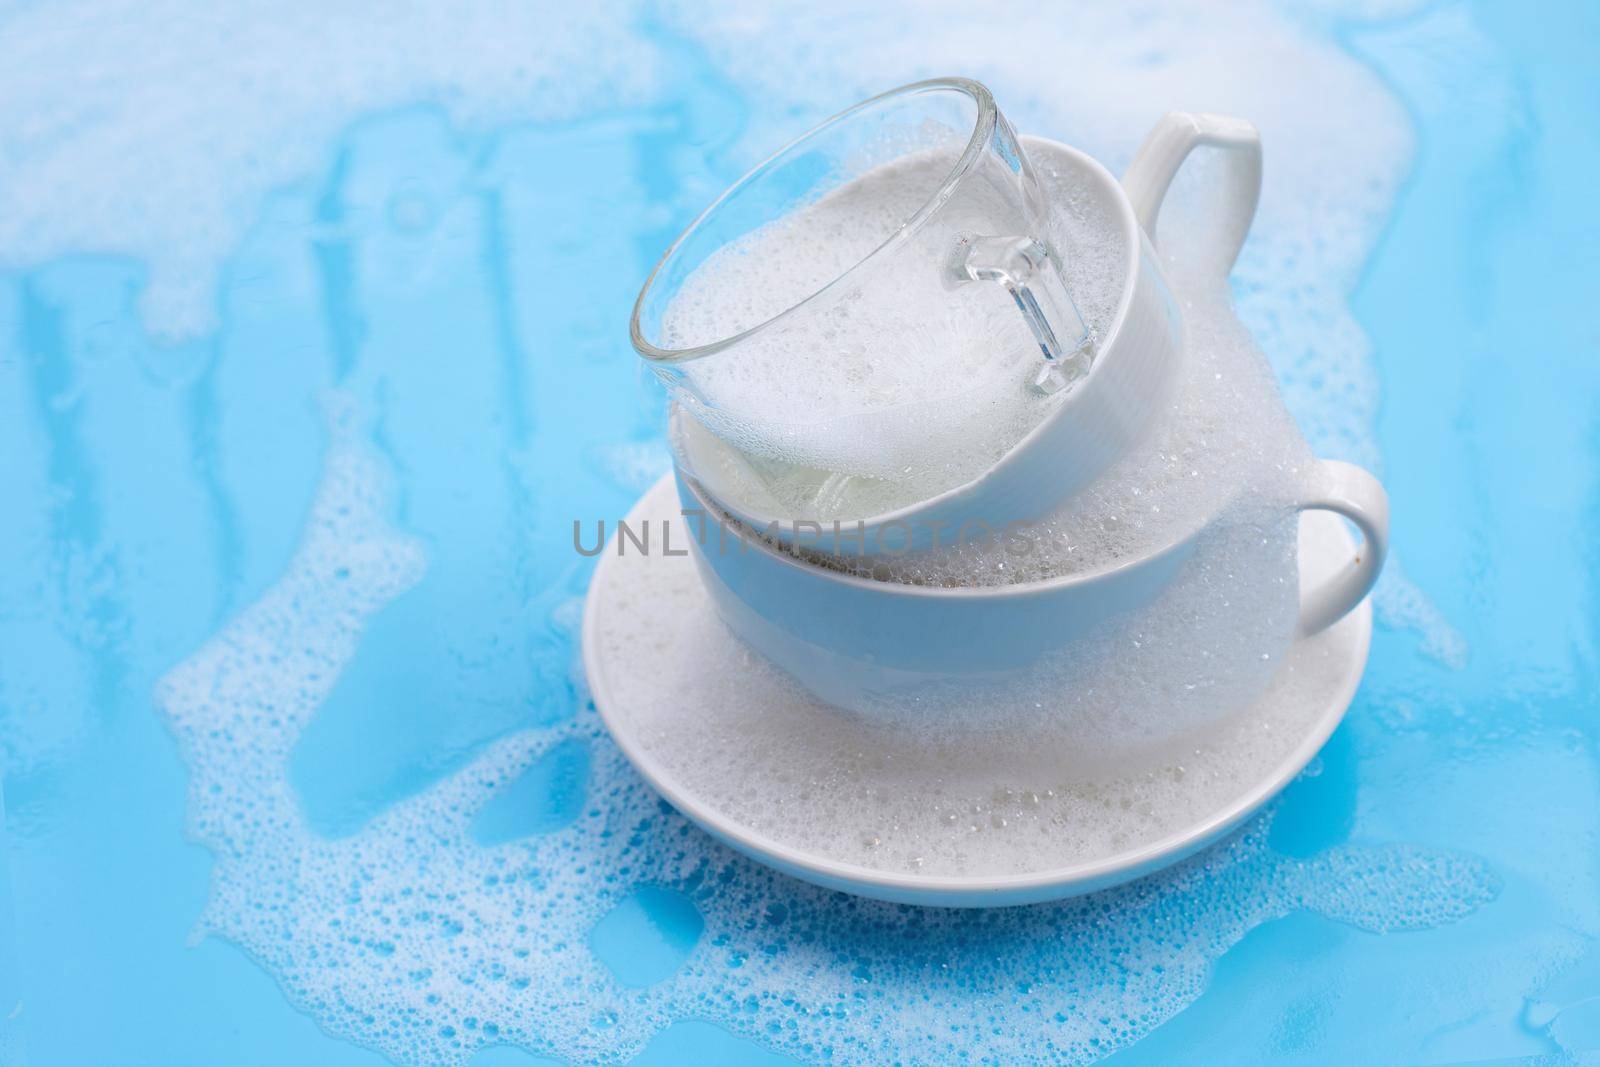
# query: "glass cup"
{"points": [[907, 327]]}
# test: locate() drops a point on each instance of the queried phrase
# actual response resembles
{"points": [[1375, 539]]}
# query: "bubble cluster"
{"points": [[1097, 78], [891, 377], [1106, 746], [410, 936], [193, 117], [1225, 453], [198, 116], [1219, 474], [415, 939]]}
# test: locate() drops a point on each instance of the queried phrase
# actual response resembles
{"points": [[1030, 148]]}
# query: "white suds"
{"points": [[891, 374], [414, 939]]}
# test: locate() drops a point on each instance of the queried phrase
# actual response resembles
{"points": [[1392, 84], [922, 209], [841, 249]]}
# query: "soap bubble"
{"points": [[413, 938], [882, 384]]}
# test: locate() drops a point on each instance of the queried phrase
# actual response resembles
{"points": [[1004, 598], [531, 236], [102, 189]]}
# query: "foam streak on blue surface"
{"points": [[296, 413]]}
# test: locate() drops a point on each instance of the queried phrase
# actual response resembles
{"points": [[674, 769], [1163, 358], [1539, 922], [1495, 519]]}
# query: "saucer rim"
{"points": [[1057, 882]]}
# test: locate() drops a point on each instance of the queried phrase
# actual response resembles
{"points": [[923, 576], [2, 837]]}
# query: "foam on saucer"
{"points": [[413, 938], [944, 795]]}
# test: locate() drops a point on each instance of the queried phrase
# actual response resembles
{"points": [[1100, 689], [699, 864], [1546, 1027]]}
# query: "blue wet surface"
{"points": [[647, 936], [154, 490]]}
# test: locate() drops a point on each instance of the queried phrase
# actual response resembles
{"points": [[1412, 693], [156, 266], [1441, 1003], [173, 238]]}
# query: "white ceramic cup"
{"points": [[1132, 378], [852, 641]]}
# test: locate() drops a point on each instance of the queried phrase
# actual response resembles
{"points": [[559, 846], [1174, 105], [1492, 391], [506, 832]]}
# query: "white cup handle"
{"points": [[1347, 490], [1156, 163]]}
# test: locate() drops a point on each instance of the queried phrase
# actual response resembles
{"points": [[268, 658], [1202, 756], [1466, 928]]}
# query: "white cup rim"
{"points": [[1038, 587]]}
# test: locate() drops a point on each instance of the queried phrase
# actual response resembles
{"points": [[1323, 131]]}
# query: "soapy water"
{"points": [[195, 116], [893, 373], [331, 919], [902, 385], [1219, 472], [182, 124], [790, 258], [1098, 80], [1222, 457], [1123, 738], [415, 939]]}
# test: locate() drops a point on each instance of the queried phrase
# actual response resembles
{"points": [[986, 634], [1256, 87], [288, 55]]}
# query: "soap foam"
{"points": [[1107, 745], [1097, 79], [1219, 474], [413, 939], [174, 124], [180, 121], [161, 155], [1225, 452], [893, 373]]}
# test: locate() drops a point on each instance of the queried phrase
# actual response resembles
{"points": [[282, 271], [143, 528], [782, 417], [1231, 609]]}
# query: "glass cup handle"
{"points": [[1026, 267]]}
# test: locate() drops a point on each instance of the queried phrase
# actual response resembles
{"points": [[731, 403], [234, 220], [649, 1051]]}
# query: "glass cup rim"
{"points": [[982, 131]]}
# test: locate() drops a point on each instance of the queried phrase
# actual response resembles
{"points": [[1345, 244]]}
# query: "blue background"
{"points": [[152, 490]]}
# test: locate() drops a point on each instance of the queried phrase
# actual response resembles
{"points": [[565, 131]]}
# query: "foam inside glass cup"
{"points": [[929, 331]]}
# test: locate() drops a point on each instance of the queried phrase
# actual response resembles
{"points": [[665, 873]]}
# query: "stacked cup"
{"points": [[881, 337]]}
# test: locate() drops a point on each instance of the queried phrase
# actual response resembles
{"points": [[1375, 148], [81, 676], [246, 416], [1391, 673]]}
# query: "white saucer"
{"points": [[647, 616]]}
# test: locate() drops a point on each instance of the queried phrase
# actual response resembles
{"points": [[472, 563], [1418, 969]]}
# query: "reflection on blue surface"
{"points": [[547, 797], [647, 937], [160, 488]]}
